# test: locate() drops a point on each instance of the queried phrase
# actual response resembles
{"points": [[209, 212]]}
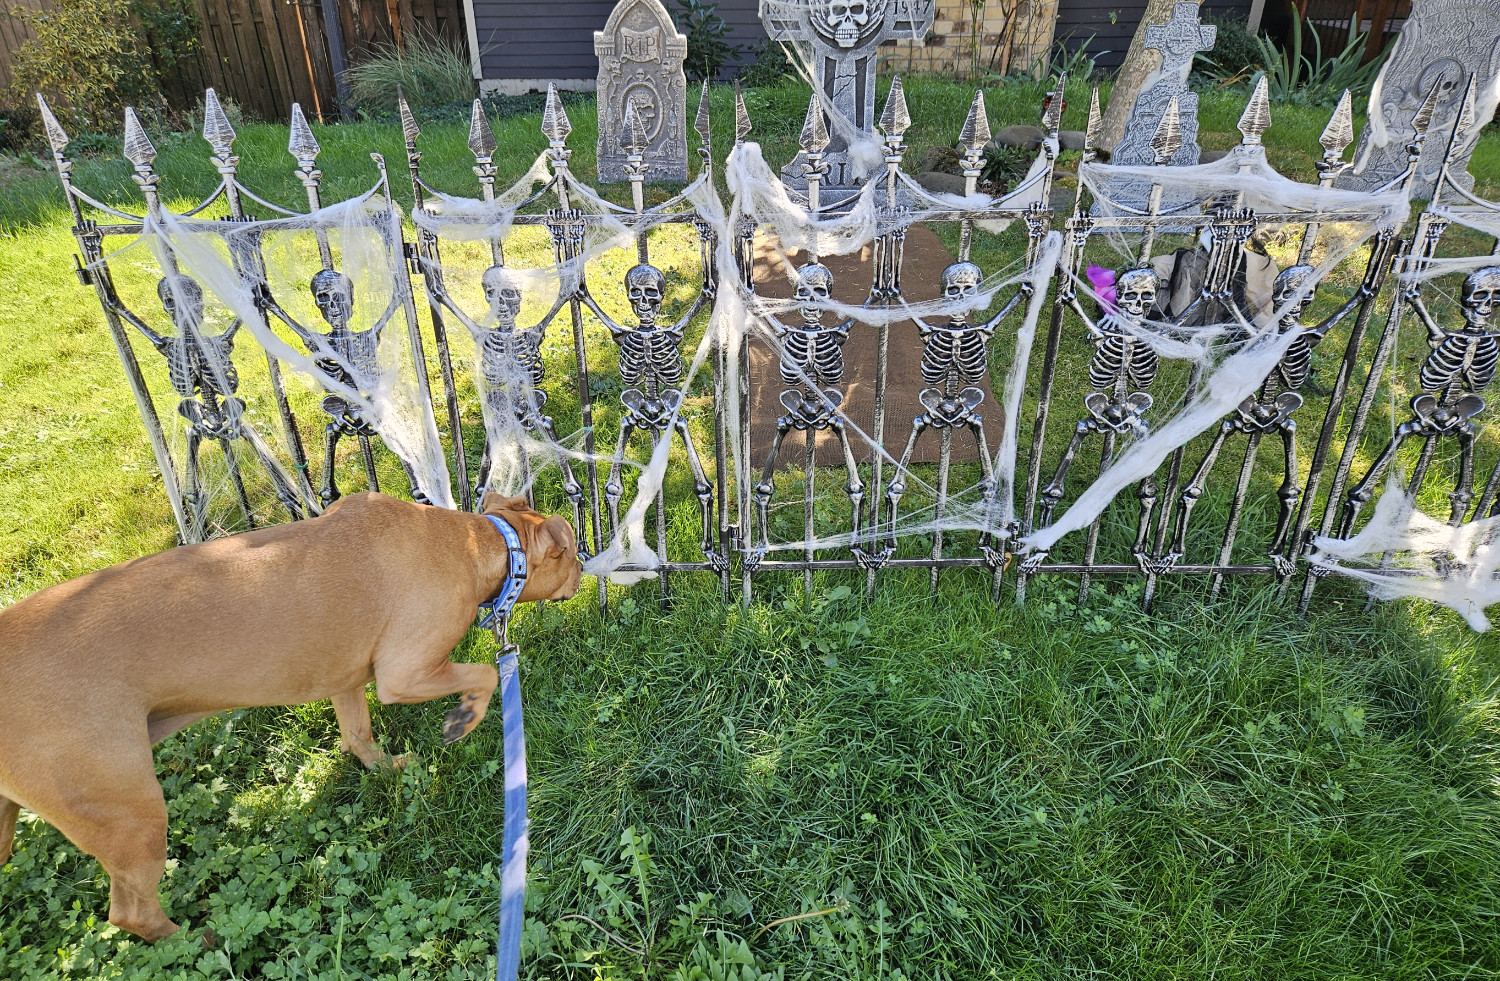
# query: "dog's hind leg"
{"points": [[9, 811], [476, 682], [356, 736], [111, 806]]}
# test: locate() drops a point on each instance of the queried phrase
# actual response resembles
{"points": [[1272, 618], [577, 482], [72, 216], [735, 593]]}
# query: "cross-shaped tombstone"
{"points": [[844, 37], [1178, 40]]}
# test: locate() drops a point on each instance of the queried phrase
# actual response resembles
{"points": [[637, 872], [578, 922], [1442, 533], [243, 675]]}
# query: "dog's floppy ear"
{"points": [[556, 536], [497, 502]]}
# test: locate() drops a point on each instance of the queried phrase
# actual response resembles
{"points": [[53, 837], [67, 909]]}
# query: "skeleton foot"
{"points": [[1032, 562], [1285, 567], [1157, 567]]}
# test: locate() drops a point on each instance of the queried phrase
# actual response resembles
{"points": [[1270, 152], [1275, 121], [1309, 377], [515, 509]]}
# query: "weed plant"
{"points": [[430, 70]]}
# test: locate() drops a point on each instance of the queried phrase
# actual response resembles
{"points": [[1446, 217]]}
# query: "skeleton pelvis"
{"points": [[1119, 416], [814, 413], [651, 412], [943, 411], [1260, 416], [1436, 418]]}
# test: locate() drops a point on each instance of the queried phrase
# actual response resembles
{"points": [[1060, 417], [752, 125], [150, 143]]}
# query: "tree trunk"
{"points": [[1140, 63]]}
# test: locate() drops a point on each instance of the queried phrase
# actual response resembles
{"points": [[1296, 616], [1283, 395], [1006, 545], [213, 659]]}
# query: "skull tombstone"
{"points": [[846, 18]]}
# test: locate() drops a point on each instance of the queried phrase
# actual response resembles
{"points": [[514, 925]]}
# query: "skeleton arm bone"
{"points": [[1023, 293], [112, 300], [614, 329], [1088, 322], [1435, 334]]}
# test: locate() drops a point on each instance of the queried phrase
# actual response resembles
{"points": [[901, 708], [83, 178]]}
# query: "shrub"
{"points": [[707, 50], [431, 71], [18, 126], [88, 58], [1316, 80], [768, 65], [1236, 55]]}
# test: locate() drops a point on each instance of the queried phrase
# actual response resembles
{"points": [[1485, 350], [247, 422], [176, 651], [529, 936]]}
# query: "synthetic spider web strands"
{"points": [[1439, 420], [697, 364], [1191, 321]]}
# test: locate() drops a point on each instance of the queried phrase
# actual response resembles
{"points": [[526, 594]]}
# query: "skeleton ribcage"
{"points": [[650, 353], [1468, 361], [813, 357], [510, 359], [964, 349], [1117, 356], [205, 365], [356, 352], [1296, 362]]}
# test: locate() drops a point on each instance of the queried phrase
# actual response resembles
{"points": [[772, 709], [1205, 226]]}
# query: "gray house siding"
{"points": [[524, 44], [1078, 20]]}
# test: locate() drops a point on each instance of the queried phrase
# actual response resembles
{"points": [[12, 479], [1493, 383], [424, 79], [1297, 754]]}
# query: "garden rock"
{"points": [[1209, 156], [1071, 139], [1023, 136], [941, 183]]}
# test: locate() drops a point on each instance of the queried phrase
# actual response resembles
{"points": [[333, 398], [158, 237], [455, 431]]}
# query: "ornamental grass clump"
{"points": [[429, 69]]}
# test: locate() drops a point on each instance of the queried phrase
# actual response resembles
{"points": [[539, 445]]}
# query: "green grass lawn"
{"points": [[940, 788]]}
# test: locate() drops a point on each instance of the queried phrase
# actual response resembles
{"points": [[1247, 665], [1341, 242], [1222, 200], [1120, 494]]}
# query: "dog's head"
{"points": [[552, 566]]}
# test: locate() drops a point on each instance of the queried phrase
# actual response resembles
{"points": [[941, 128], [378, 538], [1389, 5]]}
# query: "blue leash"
{"points": [[515, 843]]}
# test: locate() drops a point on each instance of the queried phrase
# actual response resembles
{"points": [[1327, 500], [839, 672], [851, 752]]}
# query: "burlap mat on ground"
{"points": [[925, 259]]}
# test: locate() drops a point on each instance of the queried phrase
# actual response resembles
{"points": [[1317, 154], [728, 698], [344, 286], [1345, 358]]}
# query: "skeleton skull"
{"points": [[502, 294], [645, 284], [182, 299], [1288, 282], [333, 292], [1481, 289], [846, 17], [1135, 293], [960, 280], [814, 287]]}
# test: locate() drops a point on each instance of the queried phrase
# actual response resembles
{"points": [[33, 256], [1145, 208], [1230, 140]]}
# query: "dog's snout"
{"points": [[570, 588]]}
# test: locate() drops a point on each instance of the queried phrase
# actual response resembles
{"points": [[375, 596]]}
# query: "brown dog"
{"points": [[93, 671]]}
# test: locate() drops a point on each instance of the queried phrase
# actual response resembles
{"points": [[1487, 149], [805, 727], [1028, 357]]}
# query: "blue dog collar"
{"points": [[497, 611]]}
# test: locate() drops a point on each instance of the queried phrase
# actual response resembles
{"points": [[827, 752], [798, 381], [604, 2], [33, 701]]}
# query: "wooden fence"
{"points": [[267, 54]]}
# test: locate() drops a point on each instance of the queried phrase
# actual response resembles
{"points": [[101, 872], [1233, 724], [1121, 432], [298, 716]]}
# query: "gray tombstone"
{"points": [[1446, 40], [842, 38], [1181, 37], [640, 66]]}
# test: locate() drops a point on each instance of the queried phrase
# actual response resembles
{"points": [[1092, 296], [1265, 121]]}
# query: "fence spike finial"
{"points": [[409, 128], [741, 115], [301, 144], [481, 137], [1096, 122], [976, 131], [701, 119], [57, 137], [217, 129], [895, 119], [1052, 118], [555, 123], [814, 127], [1339, 132], [633, 132], [1168, 138], [1256, 118], [1467, 113], [1423, 119], [139, 149]]}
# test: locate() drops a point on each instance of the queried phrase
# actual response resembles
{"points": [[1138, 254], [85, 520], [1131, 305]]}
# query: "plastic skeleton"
{"points": [[510, 361], [953, 354], [347, 358], [1270, 411], [201, 369], [1462, 361], [651, 357], [1122, 361], [812, 355]]}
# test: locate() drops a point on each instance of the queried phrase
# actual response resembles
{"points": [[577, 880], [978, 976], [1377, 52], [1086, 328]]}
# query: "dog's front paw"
{"points": [[459, 720]]}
